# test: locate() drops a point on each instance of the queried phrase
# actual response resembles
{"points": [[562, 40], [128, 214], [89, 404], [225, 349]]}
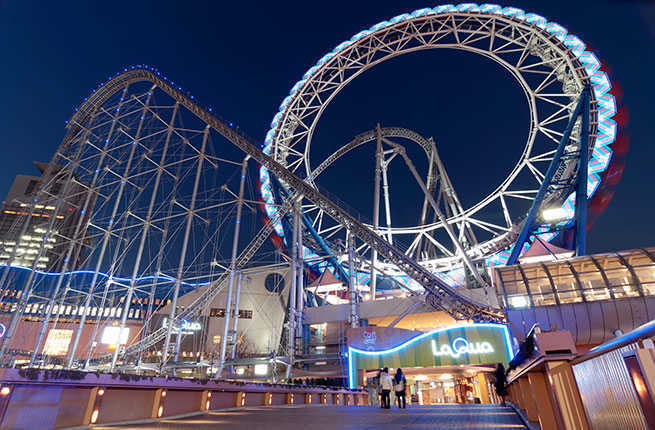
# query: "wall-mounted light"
{"points": [[554, 214], [261, 369]]}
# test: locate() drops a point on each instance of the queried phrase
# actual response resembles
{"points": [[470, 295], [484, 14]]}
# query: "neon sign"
{"points": [[3, 329], [472, 343], [461, 346], [186, 326]]}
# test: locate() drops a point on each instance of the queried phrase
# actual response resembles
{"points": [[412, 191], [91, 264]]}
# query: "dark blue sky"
{"points": [[242, 58]]}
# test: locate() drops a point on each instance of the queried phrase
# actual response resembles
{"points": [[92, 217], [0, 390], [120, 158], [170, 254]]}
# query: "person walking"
{"points": [[373, 390], [500, 384], [400, 387], [387, 385]]}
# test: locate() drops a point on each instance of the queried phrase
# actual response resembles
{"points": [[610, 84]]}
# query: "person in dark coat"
{"points": [[500, 384], [400, 388]]}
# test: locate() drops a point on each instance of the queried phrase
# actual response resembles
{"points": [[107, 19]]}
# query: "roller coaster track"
{"points": [[440, 294]]}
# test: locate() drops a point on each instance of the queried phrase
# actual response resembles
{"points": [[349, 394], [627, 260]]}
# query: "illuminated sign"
{"points": [[186, 326], [57, 342], [113, 335], [3, 330], [461, 346], [475, 344]]}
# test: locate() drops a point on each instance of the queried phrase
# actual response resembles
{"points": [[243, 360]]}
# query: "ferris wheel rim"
{"points": [[571, 45]]}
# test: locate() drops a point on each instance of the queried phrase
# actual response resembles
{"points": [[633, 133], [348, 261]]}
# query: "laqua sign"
{"points": [[186, 326], [461, 346], [483, 343]]}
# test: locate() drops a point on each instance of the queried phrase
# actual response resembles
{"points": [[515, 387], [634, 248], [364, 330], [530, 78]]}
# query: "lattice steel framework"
{"points": [[158, 180], [157, 191], [153, 185], [551, 67]]}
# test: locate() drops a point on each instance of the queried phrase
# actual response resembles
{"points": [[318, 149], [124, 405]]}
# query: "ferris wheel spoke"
{"points": [[318, 221], [523, 194], [329, 229], [309, 208], [443, 31], [295, 164], [548, 99], [551, 132], [560, 114], [538, 175], [546, 132], [454, 28], [362, 248], [503, 203], [548, 62], [414, 245], [471, 39], [490, 227], [545, 157], [550, 78], [525, 52], [436, 243]]}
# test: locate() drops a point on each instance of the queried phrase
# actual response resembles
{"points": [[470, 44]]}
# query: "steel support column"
{"points": [[529, 223], [354, 302], [180, 269], [233, 269], [581, 180], [376, 209], [105, 241]]}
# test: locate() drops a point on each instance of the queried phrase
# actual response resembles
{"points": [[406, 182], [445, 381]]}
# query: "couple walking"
{"points": [[398, 384]]}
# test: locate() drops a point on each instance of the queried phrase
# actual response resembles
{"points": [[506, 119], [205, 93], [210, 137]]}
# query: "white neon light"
{"points": [[352, 351], [461, 346]]}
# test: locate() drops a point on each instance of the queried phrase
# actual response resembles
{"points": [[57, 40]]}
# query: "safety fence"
{"points": [[37, 401]]}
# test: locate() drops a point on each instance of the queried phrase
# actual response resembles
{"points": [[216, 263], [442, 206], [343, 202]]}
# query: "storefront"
{"points": [[448, 364]]}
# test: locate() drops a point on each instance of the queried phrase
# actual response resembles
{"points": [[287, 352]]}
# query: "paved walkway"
{"points": [[349, 417]]}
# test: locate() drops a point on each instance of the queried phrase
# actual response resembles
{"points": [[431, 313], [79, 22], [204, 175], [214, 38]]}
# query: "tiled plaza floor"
{"points": [[349, 417]]}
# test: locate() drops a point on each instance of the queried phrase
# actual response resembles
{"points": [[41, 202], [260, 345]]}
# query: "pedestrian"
{"points": [[387, 385], [373, 391], [400, 387], [500, 384], [379, 387]]}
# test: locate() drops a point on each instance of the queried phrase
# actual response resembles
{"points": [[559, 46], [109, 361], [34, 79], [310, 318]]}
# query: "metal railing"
{"points": [[605, 385]]}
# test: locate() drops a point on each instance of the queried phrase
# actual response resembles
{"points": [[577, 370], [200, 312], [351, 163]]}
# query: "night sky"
{"points": [[243, 57]]}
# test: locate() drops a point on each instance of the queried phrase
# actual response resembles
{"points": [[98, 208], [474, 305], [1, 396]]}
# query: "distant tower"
{"points": [[15, 210]]}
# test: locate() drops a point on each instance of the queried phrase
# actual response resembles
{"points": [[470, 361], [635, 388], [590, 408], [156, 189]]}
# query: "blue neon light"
{"points": [[351, 350], [601, 153], [104, 275]]}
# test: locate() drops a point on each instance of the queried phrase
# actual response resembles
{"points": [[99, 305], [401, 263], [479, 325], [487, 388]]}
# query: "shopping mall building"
{"points": [[580, 302]]}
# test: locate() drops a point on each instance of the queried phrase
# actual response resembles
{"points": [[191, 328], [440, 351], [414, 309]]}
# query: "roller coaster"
{"points": [[157, 181]]}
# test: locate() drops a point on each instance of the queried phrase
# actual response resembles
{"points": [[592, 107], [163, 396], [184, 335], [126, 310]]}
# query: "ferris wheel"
{"points": [[551, 67]]}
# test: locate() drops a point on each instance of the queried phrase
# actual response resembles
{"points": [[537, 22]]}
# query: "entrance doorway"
{"points": [[462, 384]]}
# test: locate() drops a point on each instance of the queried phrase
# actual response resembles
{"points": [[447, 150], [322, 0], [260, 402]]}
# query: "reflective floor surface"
{"points": [[348, 417]]}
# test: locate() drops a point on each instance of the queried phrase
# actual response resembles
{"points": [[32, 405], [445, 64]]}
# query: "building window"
{"points": [[217, 313], [220, 313], [274, 282]]}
